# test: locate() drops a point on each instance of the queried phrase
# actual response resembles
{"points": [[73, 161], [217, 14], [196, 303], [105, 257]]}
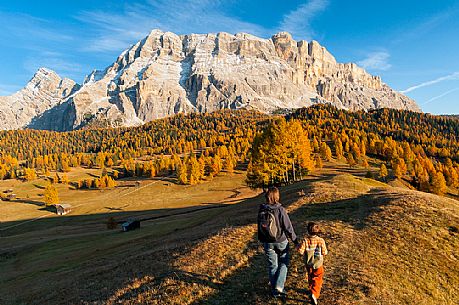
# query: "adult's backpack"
{"points": [[268, 228]]}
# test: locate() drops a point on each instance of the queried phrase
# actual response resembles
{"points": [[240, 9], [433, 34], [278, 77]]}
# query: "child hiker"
{"points": [[313, 248]]}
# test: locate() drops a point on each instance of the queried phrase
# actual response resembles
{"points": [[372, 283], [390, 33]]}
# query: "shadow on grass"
{"points": [[28, 201], [101, 276], [249, 285], [104, 266], [48, 208], [453, 196], [353, 211], [113, 209]]}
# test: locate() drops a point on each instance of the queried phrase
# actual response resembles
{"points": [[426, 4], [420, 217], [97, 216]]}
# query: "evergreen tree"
{"points": [[229, 165], [350, 159], [438, 185], [383, 172], [65, 179], [339, 149], [182, 174], [30, 174], [325, 151], [365, 162], [318, 161], [194, 172], [216, 165], [279, 154], [51, 195]]}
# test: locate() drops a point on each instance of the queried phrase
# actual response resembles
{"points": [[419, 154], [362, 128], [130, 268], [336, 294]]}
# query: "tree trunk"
{"points": [[293, 169]]}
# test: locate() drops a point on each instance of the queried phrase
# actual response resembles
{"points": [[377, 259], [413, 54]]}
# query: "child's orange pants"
{"points": [[315, 280]]}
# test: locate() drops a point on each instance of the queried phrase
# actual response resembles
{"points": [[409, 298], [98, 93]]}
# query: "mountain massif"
{"points": [[164, 74]]}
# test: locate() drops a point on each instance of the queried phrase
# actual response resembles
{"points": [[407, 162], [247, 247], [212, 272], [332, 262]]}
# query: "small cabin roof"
{"points": [[63, 205]]}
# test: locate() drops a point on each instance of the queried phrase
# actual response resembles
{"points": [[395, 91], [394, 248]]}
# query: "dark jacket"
{"points": [[283, 222]]}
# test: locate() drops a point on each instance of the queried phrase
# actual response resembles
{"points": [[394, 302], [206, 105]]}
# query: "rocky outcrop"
{"points": [[165, 73], [44, 91]]}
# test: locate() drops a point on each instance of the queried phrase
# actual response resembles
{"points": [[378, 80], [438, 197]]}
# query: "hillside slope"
{"points": [[387, 246]]}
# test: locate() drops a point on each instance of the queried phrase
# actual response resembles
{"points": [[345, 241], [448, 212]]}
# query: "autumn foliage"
{"points": [[281, 153], [420, 149]]}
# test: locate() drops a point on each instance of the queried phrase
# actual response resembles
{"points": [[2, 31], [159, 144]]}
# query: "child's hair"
{"points": [[313, 228], [272, 195]]}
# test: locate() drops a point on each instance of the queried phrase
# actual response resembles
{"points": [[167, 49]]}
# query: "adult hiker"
{"points": [[274, 226]]}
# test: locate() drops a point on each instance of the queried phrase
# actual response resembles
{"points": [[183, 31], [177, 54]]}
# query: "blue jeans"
{"points": [[277, 254]]}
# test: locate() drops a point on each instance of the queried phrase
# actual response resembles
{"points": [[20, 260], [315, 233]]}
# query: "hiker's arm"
{"points": [[287, 226], [302, 247], [324, 248]]}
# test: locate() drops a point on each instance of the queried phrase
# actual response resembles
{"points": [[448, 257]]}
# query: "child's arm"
{"points": [[302, 247], [324, 248]]}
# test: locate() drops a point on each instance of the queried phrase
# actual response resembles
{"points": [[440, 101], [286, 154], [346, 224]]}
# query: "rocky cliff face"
{"points": [[164, 74], [45, 91]]}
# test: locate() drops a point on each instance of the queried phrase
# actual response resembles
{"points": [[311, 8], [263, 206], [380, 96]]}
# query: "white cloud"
{"points": [[56, 62], [298, 21], [452, 76], [376, 61], [30, 29], [55, 45], [108, 32], [441, 95], [117, 31]]}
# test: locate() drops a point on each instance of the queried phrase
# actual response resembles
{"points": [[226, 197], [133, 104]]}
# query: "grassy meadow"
{"points": [[197, 244]]}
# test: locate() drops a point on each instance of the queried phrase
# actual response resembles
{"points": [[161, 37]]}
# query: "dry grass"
{"points": [[387, 246]]}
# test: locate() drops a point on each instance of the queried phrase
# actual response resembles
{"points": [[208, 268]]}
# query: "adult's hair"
{"points": [[313, 228], [272, 195]]}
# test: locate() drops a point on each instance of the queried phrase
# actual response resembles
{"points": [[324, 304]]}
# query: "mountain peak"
{"points": [[43, 79], [155, 32], [45, 73], [284, 35], [45, 70], [165, 73]]}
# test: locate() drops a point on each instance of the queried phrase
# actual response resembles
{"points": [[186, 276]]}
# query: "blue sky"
{"points": [[412, 45]]}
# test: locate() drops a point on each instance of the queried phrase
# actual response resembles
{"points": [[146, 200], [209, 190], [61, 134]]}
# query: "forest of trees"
{"points": [[193, 147], [419, 148]]}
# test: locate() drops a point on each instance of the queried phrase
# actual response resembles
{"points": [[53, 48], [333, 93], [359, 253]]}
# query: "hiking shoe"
{"points": [[279, 294], [313, 299]]}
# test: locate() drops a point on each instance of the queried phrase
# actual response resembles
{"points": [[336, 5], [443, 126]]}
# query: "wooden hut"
{"points": [[62, 209], [130, 225], [8, 195]]}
